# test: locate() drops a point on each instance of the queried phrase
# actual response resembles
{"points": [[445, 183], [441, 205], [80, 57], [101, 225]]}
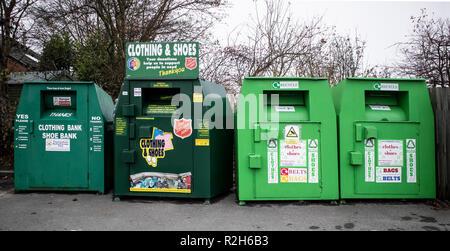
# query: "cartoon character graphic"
{"points": [[155, 148]]}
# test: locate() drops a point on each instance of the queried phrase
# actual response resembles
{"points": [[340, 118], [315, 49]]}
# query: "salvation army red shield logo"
{"points": [[182, 128], [191, 63]]}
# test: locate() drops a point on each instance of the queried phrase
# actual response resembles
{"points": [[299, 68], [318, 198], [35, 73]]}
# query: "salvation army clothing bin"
{"points": [[63, 137], [386, 138], [158, 150], [286, 141]]}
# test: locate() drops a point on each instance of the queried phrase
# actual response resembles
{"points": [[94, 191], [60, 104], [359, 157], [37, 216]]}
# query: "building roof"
{"points": [[24, 55], [21, 77]]}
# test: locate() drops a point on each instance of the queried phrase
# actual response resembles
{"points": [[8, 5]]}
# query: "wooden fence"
{"points": [[440, 100]]}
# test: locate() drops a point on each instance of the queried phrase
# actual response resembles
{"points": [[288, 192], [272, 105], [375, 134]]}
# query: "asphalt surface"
{"points": [[85, 211]]}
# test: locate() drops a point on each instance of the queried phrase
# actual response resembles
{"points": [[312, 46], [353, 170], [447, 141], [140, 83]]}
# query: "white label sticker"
{"points": [[272, 161], [369, 157], [389, 174], [57, 145], [313, 160], [137, 92], [294, 175], [293, 154], [125, 93], [386, 87], [380, 107], [289, 85], [411, 161], [286, 85], [62, 101], [285, 108], [390, 153]]}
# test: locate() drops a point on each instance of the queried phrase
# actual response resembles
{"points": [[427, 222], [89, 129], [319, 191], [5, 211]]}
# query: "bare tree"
{"points": [[269, 46], [427, 53], [335, 57], [12, 14], [12, 28], [121, 21], [276, 44]]}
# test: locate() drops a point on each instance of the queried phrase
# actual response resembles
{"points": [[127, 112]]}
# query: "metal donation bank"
{"points": [[170, 134], [63, 137], [286, 142], [386, 137]]}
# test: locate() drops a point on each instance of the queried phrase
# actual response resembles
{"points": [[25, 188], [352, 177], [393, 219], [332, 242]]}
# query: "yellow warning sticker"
{"points": [[198, 98], [202, 142], [292, 134]]}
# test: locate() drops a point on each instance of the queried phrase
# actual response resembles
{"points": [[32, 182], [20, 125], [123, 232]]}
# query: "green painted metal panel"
{"points": [[297, 151], [63, 137], [389, 124]]}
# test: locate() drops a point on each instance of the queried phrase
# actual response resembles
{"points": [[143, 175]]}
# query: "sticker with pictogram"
{"points": [[369, 157], [272, 161], [292, 134], [411, 165], [313, 160], [294, 175]]}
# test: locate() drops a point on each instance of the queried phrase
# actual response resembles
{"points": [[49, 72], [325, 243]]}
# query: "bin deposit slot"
{"points": [[58, 104], [159, 101], [292, 105], [386, 106]]}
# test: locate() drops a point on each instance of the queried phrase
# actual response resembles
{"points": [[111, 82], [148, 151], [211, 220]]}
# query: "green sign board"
{"points": [[162, 60]]}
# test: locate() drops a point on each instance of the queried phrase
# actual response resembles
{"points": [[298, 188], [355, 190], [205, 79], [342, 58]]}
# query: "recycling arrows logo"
{"points": [[314, 143], [272, 143], [410, 144], [370, 142]]}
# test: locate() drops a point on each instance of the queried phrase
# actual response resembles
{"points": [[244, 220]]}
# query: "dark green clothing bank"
{"points": [[63, 137], [159, 151], [386, 138]]}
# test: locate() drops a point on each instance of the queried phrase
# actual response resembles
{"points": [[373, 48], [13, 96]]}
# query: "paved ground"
{"points": [[56, 211]]}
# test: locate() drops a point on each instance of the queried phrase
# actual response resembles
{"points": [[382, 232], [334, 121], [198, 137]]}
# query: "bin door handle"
{"points": [[31, 127], [128, 110], [132, 130], [128, 156], [356, 158], [365, 132], [254, 161], [370, 132], [358, 132], [257, 133]]}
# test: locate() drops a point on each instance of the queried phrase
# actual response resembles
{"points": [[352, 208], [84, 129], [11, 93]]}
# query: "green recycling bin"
{"points": [[63, 137], [286, 140], [386, 138], [171, 138]]}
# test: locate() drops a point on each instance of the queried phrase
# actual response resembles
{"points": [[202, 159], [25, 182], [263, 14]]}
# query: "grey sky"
{"points": [[380, 23]]}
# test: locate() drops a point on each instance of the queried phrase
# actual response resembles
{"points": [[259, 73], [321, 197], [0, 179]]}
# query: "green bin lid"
{"points": [[60, 82]]}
